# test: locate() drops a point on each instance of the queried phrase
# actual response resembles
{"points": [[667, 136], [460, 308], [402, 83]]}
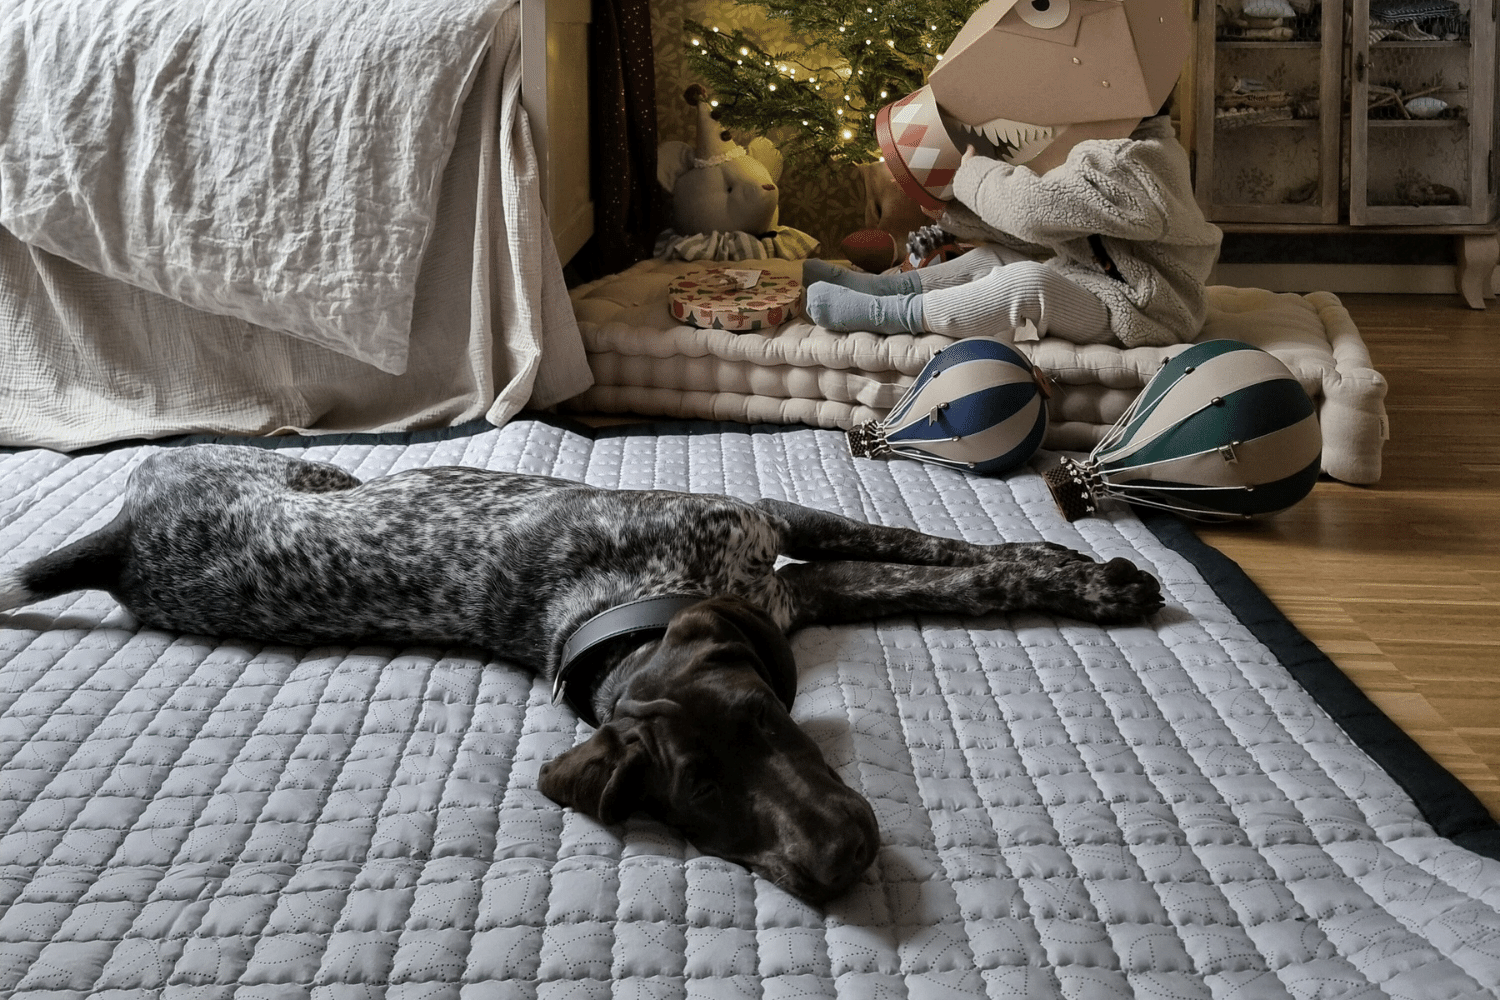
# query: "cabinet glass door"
{"points": [[1421, 107], [1268, 111]]}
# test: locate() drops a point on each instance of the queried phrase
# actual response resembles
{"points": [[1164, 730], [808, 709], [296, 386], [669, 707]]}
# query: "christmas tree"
{"points": [[850, 59]]}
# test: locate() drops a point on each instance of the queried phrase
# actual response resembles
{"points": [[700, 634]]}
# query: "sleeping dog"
{"points": [[659, 617]]}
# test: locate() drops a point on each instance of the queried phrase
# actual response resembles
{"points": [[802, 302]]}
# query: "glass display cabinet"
{"points": [[1351, 115]]}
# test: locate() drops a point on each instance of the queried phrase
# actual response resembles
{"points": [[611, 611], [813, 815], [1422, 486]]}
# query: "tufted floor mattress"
{"points": [[1164, 811], [645, 362]]}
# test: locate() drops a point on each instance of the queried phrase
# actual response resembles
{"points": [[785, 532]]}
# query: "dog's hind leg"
{"points": [[306, 476], [91, 563], [818, 534], [1107, 593]]}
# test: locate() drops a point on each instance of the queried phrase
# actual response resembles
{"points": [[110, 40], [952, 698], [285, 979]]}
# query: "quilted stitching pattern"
{"points": [[1066, 811]]}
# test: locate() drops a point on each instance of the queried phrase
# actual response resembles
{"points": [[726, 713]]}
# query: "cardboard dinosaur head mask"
{"points": [[1026, 80]]}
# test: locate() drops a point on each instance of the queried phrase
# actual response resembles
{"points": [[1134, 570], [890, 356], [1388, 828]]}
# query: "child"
{"points": [[1109, 246]]}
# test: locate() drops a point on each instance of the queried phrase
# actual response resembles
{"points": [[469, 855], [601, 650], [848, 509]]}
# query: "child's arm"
{"points": [[1102, 188], [961, 222]]}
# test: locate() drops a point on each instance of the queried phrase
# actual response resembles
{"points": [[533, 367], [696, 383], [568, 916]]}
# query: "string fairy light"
{"points": [[763, 89]]}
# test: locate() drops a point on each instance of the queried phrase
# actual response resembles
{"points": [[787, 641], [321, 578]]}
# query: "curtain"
{"points": [[629, 206]]}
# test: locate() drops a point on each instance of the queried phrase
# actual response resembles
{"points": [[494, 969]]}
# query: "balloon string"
{"points": [[1132, 417], [1099, 454], [1203, 512], [927, 456], [1116, 432], [1175, 458], [898, 412], [1175, 487]]}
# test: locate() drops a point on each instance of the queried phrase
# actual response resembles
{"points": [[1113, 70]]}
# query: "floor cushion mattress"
{"points": [[647, 363]]}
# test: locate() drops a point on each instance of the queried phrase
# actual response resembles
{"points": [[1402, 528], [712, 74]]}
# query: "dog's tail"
{"points": [[91, 563], [13, 591]]}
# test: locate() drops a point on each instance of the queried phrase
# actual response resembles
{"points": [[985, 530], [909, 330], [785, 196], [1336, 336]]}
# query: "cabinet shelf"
{"points": [[1407, 43], [1282, 123], [1387, 123], [1253, 43]]}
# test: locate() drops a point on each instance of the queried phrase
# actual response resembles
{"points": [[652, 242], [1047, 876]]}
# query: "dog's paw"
{"points": [[1111, 593]]}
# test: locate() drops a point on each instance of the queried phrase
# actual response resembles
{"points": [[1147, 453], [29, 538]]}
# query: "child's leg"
{"points": [[965, 267], [971, 266], [864, 305], [815, 271], [1010, 296], [992, 305]]}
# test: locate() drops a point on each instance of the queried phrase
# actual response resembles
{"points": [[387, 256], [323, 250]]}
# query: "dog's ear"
{"points": [[601, 777], [733, 620]]}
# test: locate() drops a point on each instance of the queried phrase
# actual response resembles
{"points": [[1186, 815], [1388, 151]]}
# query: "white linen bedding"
{"points": [[276, 161], [86, 358]]}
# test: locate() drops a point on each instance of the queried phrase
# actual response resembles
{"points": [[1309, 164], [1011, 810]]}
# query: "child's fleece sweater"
{"points": [[1136, 195]]}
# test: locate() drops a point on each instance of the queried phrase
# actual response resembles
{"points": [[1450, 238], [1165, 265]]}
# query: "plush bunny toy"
{"points": [[720, 186], [724, 195]]}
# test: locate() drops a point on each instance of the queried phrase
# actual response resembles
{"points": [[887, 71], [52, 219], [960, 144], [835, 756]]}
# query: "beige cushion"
{"points": [[644, 362]]}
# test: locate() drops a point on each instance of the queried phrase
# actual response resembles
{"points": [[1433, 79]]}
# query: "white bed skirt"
{"points": [[88, 359]]}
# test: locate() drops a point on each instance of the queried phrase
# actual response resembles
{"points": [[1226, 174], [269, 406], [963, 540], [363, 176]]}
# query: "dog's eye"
{"points": [[1043, 13], [705, 793]]}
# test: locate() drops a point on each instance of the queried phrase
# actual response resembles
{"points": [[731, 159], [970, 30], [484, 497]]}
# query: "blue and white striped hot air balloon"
{"points": [[1223, 431], [978, 405]]}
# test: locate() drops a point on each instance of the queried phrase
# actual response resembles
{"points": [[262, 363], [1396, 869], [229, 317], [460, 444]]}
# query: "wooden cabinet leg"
{"points": [[1477, 257]]}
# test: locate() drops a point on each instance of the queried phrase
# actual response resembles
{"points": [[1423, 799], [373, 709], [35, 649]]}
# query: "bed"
{"points": [[646, 362], [269, 216]]}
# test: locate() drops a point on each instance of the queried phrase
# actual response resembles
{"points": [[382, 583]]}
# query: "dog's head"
{"points": [[704, 742]]}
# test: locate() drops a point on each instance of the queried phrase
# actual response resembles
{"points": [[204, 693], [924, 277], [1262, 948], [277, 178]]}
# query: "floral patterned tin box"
{"points": [[739, 299]]}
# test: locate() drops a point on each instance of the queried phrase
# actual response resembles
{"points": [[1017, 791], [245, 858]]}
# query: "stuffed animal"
{"points": [[724, 195], [719, 186]]}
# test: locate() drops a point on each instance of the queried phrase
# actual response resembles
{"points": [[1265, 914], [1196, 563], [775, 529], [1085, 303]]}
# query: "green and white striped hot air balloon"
{"points": [[1223, 431]]}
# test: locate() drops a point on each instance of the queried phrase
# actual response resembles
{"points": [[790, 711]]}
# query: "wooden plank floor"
{"points": [[1399, 583]]}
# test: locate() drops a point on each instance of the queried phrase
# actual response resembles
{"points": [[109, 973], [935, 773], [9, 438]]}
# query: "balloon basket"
{"points": [[1072, 489], [867, 440]]}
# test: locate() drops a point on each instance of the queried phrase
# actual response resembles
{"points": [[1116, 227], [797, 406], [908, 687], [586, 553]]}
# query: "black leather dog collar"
{"points": [[640, 617]]}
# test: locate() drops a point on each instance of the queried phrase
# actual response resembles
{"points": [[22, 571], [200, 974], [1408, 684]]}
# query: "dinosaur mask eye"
{"points": [[1043, 13]]}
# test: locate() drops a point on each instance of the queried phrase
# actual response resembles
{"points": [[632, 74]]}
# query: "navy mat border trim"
{"points": [[1453, 810], [428, 435], [335, 438]]}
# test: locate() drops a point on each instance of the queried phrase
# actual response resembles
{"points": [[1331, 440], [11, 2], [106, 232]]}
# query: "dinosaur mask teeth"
{"points": [[1001, 138]]}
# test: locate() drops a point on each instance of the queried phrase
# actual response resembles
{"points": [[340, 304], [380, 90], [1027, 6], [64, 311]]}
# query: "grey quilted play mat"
{"points": [[1199, 806]]}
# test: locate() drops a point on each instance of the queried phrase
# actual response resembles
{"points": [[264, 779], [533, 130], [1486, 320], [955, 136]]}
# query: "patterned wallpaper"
{"points": [[828, 203]]}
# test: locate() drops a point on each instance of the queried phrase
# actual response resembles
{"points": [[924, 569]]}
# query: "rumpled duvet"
{"points": [[277, 161]]}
